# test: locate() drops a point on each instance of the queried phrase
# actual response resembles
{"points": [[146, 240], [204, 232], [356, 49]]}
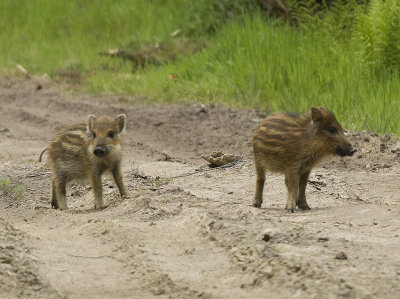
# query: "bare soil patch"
{"points": [[182, 236]]}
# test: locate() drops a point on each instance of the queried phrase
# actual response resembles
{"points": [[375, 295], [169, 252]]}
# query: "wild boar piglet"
{"points": [[83, 152], [292, 144]]}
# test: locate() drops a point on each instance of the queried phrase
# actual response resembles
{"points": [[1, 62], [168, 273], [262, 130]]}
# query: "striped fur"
{"points": [[83, 152], [293, 144]]}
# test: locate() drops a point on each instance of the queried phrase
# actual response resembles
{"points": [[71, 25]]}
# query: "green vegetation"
{"points": [[377, 36], [345, 57], [15, 191]]}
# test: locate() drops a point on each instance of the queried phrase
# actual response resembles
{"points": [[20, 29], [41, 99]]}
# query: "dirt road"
{"points": [[196, 235]]}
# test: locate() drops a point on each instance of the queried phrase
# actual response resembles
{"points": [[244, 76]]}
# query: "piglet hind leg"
{"points": [[259, 187], [292, 183], [54, 201], [61, 194], [117, 174], [301, 200], [98, 192]]}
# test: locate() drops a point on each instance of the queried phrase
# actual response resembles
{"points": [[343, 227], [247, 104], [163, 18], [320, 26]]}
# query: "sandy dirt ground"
{"points": [[184, 232]]}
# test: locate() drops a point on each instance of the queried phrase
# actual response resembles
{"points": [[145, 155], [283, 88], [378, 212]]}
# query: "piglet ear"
{"points": [[120, 121], [316, 115], [90, 124]]}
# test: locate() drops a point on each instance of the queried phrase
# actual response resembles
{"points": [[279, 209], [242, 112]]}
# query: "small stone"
{"points": [[396, 149], [267, 234], [268, 272], [190, 250], [323, 239], [266, 237], [167, 156], [341, 256], [296, 267], [249, 279], [159, 291], [203, 109], [5, 259]]}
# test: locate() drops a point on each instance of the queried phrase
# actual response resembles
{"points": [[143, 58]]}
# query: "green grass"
{"points": [[251, 62], [15, 191], [45, 35], [261, 65]]}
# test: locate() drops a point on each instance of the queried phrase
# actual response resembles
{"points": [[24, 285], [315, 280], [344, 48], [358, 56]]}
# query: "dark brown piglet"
{"points": [[293, 144]]}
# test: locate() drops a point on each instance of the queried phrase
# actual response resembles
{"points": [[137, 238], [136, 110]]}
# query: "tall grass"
{"points": [[261, 65], [251, 61]]}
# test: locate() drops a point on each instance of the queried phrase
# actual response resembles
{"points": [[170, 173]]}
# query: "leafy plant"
{"points": [[377, 36], [15, 191]]}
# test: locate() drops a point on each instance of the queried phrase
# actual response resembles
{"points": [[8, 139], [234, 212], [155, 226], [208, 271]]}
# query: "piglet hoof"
{"points": [[290, 210], [100, 207], [62, 207], [257, 204], [304, 207]]}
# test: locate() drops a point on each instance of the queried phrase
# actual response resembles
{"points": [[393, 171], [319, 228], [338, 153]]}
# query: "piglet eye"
{"points": [[94, 135], [332, 130], [111, 134]]}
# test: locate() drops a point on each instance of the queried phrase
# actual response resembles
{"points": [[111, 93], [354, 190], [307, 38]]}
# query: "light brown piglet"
{"points": [[84, 152]]}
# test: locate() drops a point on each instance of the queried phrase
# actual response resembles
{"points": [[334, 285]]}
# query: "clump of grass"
{"points": [[14, 191]]}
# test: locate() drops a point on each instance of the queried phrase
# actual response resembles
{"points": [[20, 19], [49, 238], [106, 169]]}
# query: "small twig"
{"points": [[95, 257], [232, 164], [38, 174], [22, 69]]}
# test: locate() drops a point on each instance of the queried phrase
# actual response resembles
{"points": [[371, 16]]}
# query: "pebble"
{"points": [[267, 234], [203, 109], [6, 259], [266, 237], [341, 256]]}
